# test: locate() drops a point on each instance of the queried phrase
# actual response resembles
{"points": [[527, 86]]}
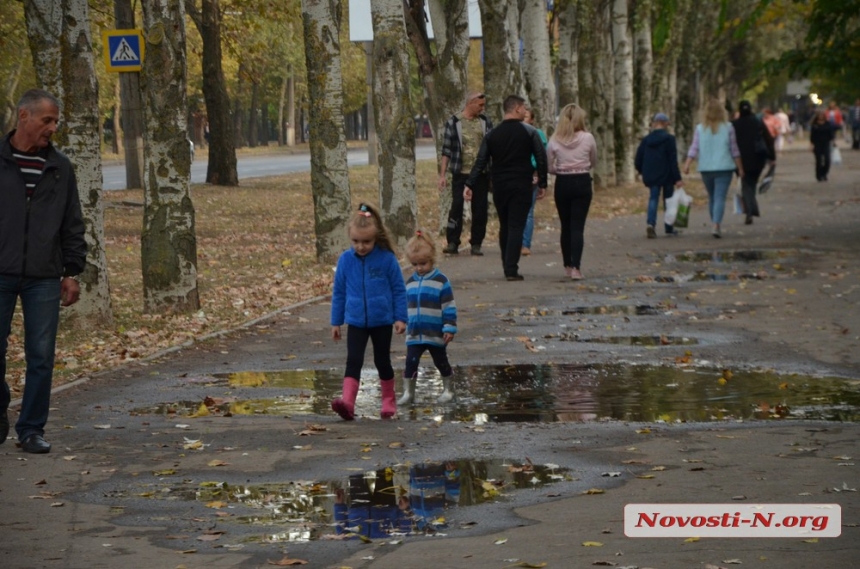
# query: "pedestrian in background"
{"points": [[756, 144], [657, 163], [369, 296], [42, 250], [432, 317], [855, 125], [461, 141], [530, 221], [510, 147], [715, 148], [822, 135], [572, 153]]}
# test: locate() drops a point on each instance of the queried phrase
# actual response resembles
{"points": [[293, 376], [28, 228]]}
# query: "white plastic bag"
{"points": [[672, 207], [682, 220], [835, 156], [739, 204]]}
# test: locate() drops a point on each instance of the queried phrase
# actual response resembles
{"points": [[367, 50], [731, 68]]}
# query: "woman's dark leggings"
{"points": [[572, 200], [356, 343]]}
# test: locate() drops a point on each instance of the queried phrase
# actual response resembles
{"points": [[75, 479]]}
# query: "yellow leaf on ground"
{"points": [[691, 540], [595, 491], [217, 504], [218, 463], [286, 562], [591, 544]]}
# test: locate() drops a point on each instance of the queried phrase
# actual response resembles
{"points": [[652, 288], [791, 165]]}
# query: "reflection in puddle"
{"points": [[642, 340], [700, 276], [630, 310], [567, 392], [397, 500], [749, 256]]}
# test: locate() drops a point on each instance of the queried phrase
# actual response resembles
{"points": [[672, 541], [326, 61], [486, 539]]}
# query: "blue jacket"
{"points": [[657, 159], [432, 311], [368, 291]]}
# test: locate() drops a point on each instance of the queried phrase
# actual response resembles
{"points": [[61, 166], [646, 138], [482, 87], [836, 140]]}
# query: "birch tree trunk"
{"points": [[502, 69], [569, 30], [444, 73], [597, 91], [537, 64], [168, 242], [643, 108], [59, 35], [623, 116], [395, 126], [329, 174]]}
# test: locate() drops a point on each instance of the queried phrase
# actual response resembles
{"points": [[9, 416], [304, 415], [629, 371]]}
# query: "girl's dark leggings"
{"points": [[572, 201], [356, 344]]}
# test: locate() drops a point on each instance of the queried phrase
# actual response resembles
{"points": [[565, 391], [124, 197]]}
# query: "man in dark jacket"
{"points": [[42, 250], [756, 146], [510, 146], [657, 162]]}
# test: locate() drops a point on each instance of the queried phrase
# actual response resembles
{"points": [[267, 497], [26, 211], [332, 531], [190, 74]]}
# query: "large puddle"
{"points": [[547, 393], [743, 256], [395, 501]]}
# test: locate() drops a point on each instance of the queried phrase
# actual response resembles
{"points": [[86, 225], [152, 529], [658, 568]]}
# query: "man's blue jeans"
{"points": [[40, 302], [530, 221], [717, 183], [654, 203]]}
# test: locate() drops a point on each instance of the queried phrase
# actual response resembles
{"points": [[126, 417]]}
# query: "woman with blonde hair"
{"points": [[571, 154], [716, 149]]}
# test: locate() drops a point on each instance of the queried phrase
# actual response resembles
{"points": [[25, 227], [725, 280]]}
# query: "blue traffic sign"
{"points": [[123, 50]]}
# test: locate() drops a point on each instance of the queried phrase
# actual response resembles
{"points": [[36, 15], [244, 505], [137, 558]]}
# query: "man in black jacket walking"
{"points": [[657, 162], [42, 250], [510, 146]]}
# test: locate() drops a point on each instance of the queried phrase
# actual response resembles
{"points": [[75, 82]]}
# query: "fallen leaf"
{"points": [[216, 504], [501, 541], [57, 504], [217, 463], [591, 544], [165, 472], [691, 540], [208, 537], [592, 491], [732, 561], [813, 540]]}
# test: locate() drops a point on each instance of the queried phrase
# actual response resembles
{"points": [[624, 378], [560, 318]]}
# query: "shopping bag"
{"points": [[739, 204], [835, 156], [671, 205], [767, 181], [682, 219]]}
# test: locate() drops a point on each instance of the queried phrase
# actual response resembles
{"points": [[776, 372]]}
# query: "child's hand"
{"points": [[335, 333], [399, 327], [447, 337]]}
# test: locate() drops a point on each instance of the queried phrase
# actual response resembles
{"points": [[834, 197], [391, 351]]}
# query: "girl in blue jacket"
{"points": [[369, 296], [432, 317]]}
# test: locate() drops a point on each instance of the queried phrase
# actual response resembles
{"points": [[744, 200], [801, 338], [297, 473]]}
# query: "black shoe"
{"points": [[451, 250], [4, 425], [476, 251], [515, 278], [35, 444]]}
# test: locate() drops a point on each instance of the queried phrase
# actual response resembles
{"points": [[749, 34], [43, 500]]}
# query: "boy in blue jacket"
{"points": [[432, 319], [657, 163]]}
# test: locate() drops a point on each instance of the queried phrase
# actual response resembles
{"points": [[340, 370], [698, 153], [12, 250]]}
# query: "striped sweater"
{"points": [[432, 311]]}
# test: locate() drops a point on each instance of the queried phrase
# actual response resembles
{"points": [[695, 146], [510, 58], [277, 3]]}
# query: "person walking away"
{"points": [[510, 147], [822, 135], [834, 115], [42, 250], [432, 317], [461, 140], [571, 154], [784, 130], [369, 296], [530, 220], [756, 144], [657, 163], [715, 148], [855, 125]]}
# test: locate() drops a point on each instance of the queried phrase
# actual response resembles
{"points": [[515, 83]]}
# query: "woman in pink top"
{"points": [[571, 154]]}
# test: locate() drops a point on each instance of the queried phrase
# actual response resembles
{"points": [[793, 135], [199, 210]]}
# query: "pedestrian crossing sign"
{"points": [[123, 50]]}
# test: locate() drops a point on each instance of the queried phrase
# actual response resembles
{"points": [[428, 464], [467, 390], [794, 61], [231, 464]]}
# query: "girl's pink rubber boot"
{"points": [[389, 399], [345, 405]]}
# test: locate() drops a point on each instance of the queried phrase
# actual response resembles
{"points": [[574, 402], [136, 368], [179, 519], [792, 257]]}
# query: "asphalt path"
{"points": [[260, 166]]}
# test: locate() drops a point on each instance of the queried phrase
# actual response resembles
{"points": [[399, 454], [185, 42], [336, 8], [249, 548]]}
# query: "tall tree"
{"points": [[503, 70], [597, 91], [395, 126], [443, 70], [329, 174], [643, 59], [537, 64], [568, 14], [221, 168], [168, 242], [131, 108], [62, 51], [623, 117]]}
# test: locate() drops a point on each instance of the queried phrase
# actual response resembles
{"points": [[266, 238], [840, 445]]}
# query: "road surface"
{"points": [[260, 166]]}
